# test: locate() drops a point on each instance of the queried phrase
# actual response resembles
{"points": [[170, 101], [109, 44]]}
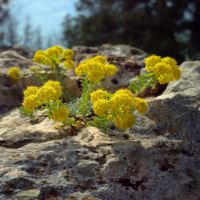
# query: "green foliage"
{"points": [[68, 122], [158, 27], [100, 122], [145, 81], [74, 106], [42, 78], [88, 87], [25, 111]]}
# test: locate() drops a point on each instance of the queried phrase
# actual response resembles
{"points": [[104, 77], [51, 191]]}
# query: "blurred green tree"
{"points": [[4, 16], [163, 27]]}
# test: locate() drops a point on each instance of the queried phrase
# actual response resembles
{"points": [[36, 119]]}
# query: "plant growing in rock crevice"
{"points": [[95, 107]]}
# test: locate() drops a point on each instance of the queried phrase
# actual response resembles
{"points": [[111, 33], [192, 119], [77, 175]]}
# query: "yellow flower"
{"points": [[101, 106], [30, 102], [78, 122], [169, 61], [39, 52], [122, 100], [52, 52], [124, 121], [96, 95], [57, 126], [49, 62], [56, 86], [100, 59], [30, 90], [161, 68], [59, 49], [151, 61], [165, 69], [95, 71], [79, 70], [72, 119], [109, 117], [68, 54], [69, 64], [176, 73], [13, 73], [166, 73], [39, 58], [60, 114], [140, 105], [46, 93], [110, 70]]}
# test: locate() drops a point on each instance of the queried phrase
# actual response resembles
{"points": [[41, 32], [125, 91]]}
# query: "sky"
{"points": [[48, 14]]}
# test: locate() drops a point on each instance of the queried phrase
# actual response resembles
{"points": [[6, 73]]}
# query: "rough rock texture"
{"points": [[9, 59], [129, 61], [23, 51], [156, 159]]}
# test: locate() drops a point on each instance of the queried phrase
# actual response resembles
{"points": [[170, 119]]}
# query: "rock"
{"points": [[128, 67], [23, 51], [129, 62], [106, 50], [158, 158], [9, 59]]}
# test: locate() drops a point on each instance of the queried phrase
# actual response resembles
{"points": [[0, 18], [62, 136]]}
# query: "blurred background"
{"points": [[163, 27]]}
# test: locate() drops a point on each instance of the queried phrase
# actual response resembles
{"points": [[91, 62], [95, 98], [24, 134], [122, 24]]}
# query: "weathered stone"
{"points": [[129, 62], [158, 158], [23, 51]]}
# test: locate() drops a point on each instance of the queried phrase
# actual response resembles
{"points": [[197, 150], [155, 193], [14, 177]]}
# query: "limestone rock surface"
{"points": [[129, 60], [158, 158]]}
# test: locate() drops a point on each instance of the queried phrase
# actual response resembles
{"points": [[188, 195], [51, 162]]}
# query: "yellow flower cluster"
{"points": [[30, 102], [125, 120], [118, 106], [95, 69], [165, 69], [140, 105], [57, 126], [50, 90], [123, 100], [34, 96], [68, 54], [53, 56], [60, 114], [68, 64], [46, 93], [31, 90], [13, 73]]}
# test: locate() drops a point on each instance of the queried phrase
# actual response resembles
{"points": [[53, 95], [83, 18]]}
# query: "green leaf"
{"points": [[146, 75], [25, 111]]}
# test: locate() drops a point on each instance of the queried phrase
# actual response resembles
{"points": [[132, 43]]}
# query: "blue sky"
{"points": [[48, 14]]}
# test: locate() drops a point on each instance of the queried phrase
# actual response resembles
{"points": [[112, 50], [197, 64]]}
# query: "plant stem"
{"points": [[148, 83], [108, 125], [88, 87], [85, 98]]}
